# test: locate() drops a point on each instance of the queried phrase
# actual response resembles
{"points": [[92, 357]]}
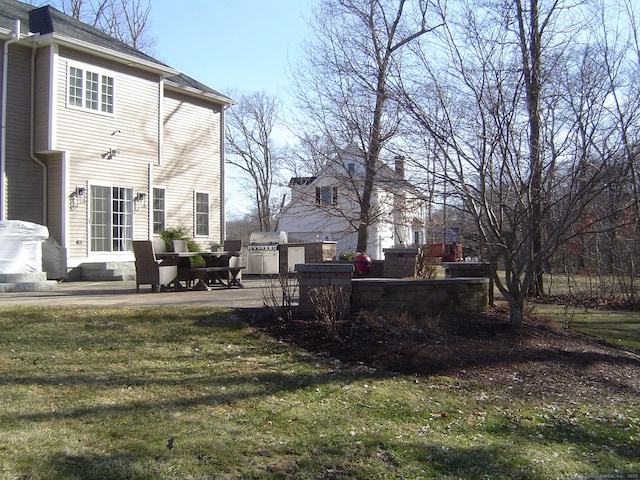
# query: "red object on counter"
{"points": [[362, 263]]}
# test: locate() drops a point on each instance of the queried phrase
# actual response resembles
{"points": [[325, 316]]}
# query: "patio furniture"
{"points": [[159, 245], [184, 263], [233, 275], [227, 271], [232, 245], [218, 268], [149, 271], [223, 269]]}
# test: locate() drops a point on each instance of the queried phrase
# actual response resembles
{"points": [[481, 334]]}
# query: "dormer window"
{"points": [[351, 167], [90, 90]]}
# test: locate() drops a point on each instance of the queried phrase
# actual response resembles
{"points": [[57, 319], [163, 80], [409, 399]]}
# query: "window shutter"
{"points": [[318, 196], [334, 198]]}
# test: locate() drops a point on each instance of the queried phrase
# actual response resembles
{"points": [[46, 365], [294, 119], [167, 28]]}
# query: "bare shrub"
{"points": [[330, 304], [426, 265], [278, 295], [399, 324]]}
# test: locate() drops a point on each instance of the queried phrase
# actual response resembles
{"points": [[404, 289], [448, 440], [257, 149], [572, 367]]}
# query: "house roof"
{"points": [[63, 29], [298, 181], [187, 84], [386, 177]]}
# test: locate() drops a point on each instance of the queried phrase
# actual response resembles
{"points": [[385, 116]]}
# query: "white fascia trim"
{"points": [[160, 121], [107, 53], [194, 92], [53, 105], [64, 200]]}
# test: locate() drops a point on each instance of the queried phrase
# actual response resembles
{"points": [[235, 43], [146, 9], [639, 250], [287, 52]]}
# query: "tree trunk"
{"points": [[516, 312], [531, 65]]}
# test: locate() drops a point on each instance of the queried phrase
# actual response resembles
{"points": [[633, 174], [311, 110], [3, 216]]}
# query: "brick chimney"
{"points": [[399, 165]]}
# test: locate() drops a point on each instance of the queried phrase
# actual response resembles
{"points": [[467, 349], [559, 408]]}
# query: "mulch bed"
{"points": [[538, 359]]}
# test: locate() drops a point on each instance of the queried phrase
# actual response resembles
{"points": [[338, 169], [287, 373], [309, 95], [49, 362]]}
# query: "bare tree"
{"points": [[351, 60], [251, 148], [309, 155], [518, 100], [126, 20]]}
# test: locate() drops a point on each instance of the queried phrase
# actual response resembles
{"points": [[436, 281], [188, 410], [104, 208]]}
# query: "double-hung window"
{"points": [[201, 207], [159, 210], [111, 218], [90, 89], [327, 196]]}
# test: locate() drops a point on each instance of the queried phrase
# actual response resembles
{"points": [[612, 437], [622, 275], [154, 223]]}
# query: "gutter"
{"points": [[3, 134], [223, 100], [32, 134]]}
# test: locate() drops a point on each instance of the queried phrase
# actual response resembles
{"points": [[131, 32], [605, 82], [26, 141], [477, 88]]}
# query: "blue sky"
{"points": [[232, 46], [240, 45]]}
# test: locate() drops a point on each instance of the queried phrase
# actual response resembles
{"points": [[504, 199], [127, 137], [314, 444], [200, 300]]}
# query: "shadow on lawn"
{"points": [[231, 388], [502, 455], [115, 466], [471, 462]]}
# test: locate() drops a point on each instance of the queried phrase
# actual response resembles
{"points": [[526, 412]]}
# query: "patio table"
{"points": [[215, 270]]}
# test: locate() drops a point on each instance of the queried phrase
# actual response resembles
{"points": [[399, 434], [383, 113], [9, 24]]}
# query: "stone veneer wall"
{"points": [[419, 297], [470, 269], [400, 262], [314, 275]]}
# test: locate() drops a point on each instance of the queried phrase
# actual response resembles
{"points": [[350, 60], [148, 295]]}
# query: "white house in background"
{"points": [[324, 207]]}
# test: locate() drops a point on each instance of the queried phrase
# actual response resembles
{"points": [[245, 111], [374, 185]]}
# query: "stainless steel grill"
{"points": [[263, 253]]}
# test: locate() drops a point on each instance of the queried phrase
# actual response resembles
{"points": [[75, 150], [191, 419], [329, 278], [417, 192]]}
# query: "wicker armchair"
{"points": [[159, 246], [148, 270]]}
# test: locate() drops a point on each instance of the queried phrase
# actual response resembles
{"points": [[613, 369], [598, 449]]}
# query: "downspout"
{"points": [[32, 134], [150, 201], [3, 133], [223, 213]]}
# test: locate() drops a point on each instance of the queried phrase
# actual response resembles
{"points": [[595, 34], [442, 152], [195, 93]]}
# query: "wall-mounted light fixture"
{"points": [[139, 201], [76, 197], [111, 153]]}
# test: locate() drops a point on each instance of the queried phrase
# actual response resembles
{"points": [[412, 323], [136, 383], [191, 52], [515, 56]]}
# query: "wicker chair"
{"points": [[148, 270], [159, 245]]}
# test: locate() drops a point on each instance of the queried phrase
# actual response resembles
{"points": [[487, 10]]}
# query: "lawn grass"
{"points": [[96, 393], [619, 327]]}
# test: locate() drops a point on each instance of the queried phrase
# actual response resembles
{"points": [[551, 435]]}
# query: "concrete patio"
{"points": [[124, 294]]}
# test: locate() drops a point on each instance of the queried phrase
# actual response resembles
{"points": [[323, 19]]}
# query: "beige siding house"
{"points": [[102, 143]]}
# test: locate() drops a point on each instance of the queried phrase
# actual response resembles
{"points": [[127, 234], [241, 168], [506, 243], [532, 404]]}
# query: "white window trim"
{"points": [[195, 214], [111, 185], [93, 69], [159, 187], [333, 195]]}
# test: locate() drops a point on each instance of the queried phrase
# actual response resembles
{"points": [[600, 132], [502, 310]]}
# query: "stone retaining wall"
{"points": [[419, 297], [400, 262], [470, 269], [314, 275]]}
